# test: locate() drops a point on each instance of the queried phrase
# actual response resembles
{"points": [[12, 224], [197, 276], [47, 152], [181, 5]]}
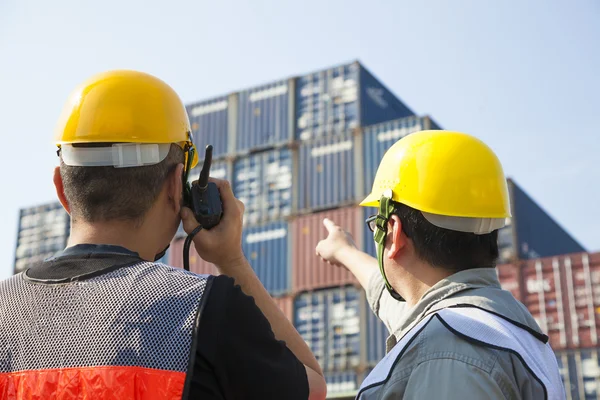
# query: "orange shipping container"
{"points": [[544, 296], [582, 283], [308, 271]]}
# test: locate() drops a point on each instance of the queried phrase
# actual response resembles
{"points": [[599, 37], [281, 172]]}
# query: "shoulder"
{"points": [[438, 348]]}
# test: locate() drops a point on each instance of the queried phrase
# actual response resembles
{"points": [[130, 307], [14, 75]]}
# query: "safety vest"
{"points": [[489, 330], [124, 334]]}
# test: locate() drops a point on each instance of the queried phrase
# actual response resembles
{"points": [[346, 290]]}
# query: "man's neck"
{"points": [[123, 234], [414, 281]]}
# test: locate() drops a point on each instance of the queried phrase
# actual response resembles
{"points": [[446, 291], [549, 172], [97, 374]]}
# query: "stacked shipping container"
{"points": [[43, 230], [563, 295]]}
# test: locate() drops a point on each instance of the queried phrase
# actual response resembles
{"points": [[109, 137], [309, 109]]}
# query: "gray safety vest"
{"points": [[484, 328]]}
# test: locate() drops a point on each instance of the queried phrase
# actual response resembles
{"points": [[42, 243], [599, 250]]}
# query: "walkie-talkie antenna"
{"points": [[203, 180]]}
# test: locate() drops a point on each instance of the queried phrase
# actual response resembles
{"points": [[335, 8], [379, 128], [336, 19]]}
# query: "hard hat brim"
{"points": [[371, 200]]}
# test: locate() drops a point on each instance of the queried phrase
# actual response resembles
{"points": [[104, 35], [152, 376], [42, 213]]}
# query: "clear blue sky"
{"points": [[522, 75]]}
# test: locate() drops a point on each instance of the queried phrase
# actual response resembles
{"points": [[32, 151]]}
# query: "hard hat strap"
{"points": [[386, 208]]}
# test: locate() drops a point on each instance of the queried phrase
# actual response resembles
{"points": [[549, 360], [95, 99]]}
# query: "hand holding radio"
{"points": [[213, 218]]}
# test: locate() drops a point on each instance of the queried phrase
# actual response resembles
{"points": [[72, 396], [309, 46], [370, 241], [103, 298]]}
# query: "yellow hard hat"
{"points": [[124, 107], [454, 179]]}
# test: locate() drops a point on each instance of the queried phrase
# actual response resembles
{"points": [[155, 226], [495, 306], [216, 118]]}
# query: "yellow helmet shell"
{"points": [[445, 173], [124, 106]]}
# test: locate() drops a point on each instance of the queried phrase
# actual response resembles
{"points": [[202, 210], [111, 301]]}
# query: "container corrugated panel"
{"points": [[580, 370], [263, 182], [506, 243], [537, 234], [266, 247], [220, 169], [377, 335], [377, 139], [509, 277], [327, 102], [286, 305], [377, 103], [329, 321], [265, 115], [332, 101], [341, 384], [197, 264], [209, 120], [326, 173], [582, 282], [309, 272], [43, 230], [544, 297]]}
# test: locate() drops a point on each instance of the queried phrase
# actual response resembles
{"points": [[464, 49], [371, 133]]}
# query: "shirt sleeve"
{"points": [[450, 379], [385, 307], [238, 356]]}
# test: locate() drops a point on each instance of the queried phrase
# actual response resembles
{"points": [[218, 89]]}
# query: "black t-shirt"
{"points": [[237, 355]]}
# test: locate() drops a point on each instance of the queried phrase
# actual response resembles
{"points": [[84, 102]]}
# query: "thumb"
{"points": [[330, 225], [188, 219]]}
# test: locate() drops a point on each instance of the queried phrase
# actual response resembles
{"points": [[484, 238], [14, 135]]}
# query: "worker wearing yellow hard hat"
{"points": [[441, 197], [104, 319]]}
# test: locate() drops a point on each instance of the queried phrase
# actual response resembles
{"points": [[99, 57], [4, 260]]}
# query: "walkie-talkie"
{"points": [[204, 199]]}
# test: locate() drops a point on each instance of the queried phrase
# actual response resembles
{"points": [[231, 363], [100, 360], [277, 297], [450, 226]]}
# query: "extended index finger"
{"points": [[330, 225]]}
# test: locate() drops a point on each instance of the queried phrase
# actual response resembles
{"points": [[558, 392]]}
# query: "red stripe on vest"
{"points": [[123, 383]]}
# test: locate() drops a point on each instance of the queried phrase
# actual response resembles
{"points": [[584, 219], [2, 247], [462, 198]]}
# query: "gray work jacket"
{"points": [[438, 364]]}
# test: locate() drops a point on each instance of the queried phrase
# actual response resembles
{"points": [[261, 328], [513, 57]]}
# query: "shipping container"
{"points": [[211, 122], [329, 321], [326, 173], [535, 233], [197, 264], [42, 231], [341, 385], [266, 248], [377, 139], [544, 297], [265, 116], [582, 282], [332, 101], [580, 370], [263, 182], [376, 337], [563, 295], [510, 279], [309, 272]]}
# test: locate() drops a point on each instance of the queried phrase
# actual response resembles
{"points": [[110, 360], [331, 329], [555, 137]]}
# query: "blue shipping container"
{"points": [[329, 321], [536, 232], [326, 173], [580, 370], [343, 383], [338, 99], [266, 247], [377, 139], [377, 335], [263, 182], [265, 116], [210, 124], [42, 231]]}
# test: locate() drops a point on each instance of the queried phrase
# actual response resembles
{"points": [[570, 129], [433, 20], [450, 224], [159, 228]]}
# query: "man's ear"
{"points": [[60, 190], [175, 188], [398, 239]]}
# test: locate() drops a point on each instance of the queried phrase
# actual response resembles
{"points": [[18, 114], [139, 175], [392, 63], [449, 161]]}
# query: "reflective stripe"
{"points": [[105, 383], [488, 329]]}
